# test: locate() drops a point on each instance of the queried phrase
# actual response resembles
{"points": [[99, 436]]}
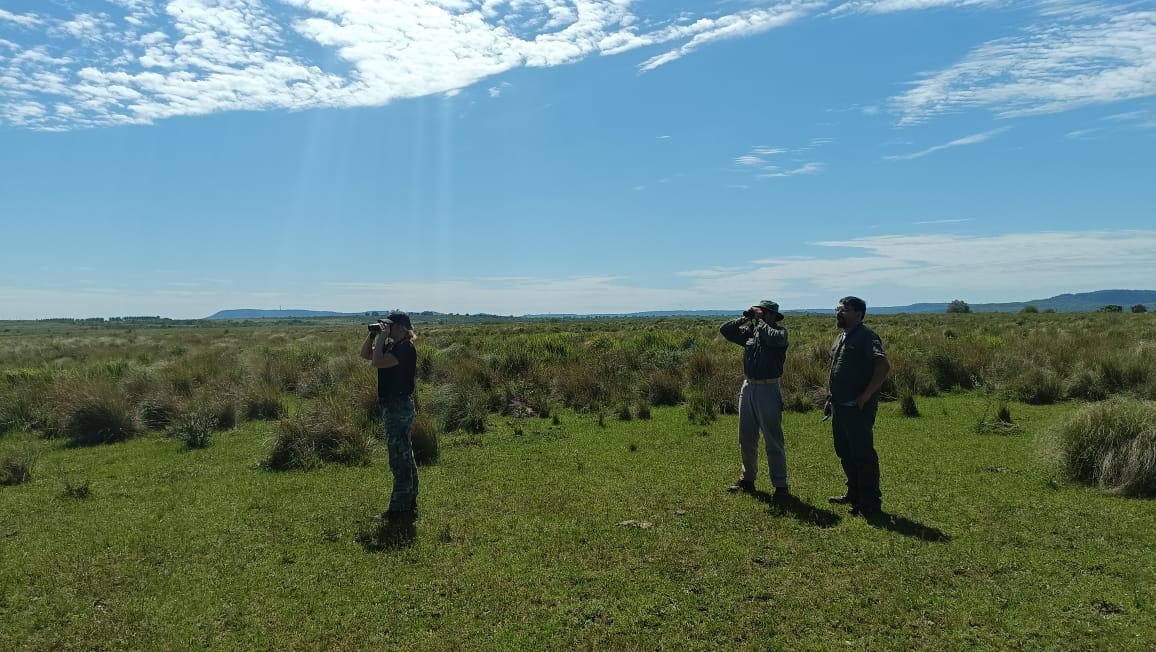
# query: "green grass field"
{"points": [[522, 544]]}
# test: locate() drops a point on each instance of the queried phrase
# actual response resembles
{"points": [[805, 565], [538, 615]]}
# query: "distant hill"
{"points": [[253, 313], [1081, 302]]}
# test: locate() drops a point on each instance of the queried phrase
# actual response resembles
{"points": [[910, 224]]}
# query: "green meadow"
{"points": [[217, 486]]}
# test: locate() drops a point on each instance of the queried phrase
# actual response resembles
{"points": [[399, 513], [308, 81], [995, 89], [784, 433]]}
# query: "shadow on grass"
{"points": [[380, 535], [803, 511], [908, 528]]}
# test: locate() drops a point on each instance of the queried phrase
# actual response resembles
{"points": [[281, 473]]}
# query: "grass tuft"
{"points": [[1112, 444], [320, 434], [16, 467]]}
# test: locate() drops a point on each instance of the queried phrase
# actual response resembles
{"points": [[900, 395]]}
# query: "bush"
{"points": [[323, 433], [663, 387], [78, 491], [907, 405], [425, 440], [644, 410], [1112, 444], [15, 467], [948, 372], [1139, 307], [458, 409], [262, 402], [100, 415], [159, 411], [195, 430]]}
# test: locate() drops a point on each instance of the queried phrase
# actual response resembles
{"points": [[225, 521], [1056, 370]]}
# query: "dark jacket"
{"points": [[764, 346]]}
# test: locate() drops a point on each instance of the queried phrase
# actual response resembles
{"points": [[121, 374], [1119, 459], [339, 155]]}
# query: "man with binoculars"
{"points": [[389, 348], [764, 345]]}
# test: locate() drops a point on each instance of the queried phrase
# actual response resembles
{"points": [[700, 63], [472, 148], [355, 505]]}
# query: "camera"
{"points": [[376, 327]]}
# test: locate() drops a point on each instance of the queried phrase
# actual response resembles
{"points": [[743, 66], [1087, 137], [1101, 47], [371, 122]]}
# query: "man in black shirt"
{"points": [[394, 357], [764, 345], [858, 368]]}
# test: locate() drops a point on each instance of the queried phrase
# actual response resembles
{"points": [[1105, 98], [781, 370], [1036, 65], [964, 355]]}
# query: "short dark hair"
{"points": [[854, 303]]}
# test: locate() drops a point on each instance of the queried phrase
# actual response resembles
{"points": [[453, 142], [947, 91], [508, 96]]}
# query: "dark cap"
{"points": [[767, 304], [399, 317]]}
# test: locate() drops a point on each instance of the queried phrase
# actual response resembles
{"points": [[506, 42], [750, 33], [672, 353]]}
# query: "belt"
{"points": [[762, 381]]}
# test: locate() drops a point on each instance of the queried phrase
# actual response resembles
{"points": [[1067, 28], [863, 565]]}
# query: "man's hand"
{"points": [[827, 408], [861, 400]]}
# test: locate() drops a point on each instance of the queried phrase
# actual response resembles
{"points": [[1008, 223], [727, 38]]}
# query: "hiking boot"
{"points": [[781, 493], [839, 500], [745, 486], [867, 513]]}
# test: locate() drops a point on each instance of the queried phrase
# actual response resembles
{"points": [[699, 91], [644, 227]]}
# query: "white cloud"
{"points": [[890, 6], [1087, 54], [947, 221], [768, 151], [23, 20], [966, 140], [194, 57], [900, 269], [806, 168], [747, 159]]}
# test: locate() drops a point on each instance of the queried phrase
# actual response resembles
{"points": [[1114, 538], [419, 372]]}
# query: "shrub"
{"points": [[948, 372], [644, 410], [1112, 444], [16, 467], [458, 409], [1139, 307], [159, 411], [1085, 385], [623, 413], [100, 414], [663, 387], [195, 430], [907, 405], [262, 402], [78, 491], [1036, 386], [322, 433], [958, 306], [425, 440]]}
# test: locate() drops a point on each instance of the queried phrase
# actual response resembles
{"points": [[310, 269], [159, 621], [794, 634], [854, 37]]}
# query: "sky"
{"points": [[180, 157]]}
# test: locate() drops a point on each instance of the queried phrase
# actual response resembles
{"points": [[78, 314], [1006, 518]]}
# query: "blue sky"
{"points": [[180, 157]]}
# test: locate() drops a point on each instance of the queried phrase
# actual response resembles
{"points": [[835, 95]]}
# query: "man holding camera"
{"points": [[858, 368], [389, 348], [764, 345]]}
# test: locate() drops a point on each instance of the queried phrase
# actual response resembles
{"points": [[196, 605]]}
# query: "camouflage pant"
{"points": [[398, 413]]}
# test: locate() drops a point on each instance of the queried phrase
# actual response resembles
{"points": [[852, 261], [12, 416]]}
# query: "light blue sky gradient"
{"points": [[180, 157]]}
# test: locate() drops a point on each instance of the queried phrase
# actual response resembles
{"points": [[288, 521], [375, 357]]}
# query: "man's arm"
{"points": [[735, 331], [771, 336], [382, 357], [367, 347], [878, 375]]}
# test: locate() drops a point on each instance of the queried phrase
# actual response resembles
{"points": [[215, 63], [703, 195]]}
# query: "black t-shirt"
{"points": [[398, 380]]}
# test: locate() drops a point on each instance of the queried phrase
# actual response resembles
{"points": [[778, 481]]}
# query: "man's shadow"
{"points": [[380, 535], [792, 505], [907, 527]]}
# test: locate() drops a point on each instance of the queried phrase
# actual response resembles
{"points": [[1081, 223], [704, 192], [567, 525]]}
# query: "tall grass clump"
{"points": [[98, 413], [457, 408], [425, 439], [195, 430], [15, 467], [322, 433], [1112, 444]]}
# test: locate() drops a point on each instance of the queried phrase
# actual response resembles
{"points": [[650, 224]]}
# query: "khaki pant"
{"points": [[761, 408]]}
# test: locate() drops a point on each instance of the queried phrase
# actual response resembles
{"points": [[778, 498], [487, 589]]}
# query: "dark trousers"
{"points": [[855, 446]]}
